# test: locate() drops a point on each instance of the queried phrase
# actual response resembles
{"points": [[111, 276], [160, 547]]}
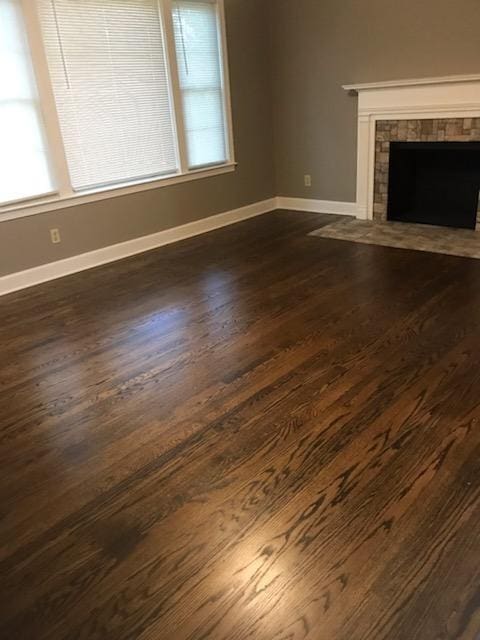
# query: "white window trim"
{"points": [[65, 196]]}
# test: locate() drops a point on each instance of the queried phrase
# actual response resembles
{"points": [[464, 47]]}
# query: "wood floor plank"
{"points": [[249, 434]]}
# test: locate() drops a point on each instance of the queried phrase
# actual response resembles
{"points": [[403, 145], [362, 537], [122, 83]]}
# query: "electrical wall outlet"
{"points": [[55, 236], [307, 180]]}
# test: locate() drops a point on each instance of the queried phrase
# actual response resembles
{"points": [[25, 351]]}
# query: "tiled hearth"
{"points": [[433, 130]]}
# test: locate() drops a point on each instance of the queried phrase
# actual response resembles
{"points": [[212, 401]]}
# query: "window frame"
{"points": [[64, 194], [222, 43]]}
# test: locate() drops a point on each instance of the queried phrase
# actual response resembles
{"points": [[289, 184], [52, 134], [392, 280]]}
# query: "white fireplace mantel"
{"points": [[427, 98]]}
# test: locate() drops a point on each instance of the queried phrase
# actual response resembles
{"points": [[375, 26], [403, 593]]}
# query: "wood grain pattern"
{"points": [[253, 434]]}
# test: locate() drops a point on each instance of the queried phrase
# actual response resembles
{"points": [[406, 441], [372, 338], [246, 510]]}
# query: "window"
{"points": [[200, 74], [109, 77], [24, 168], [135, 90]]}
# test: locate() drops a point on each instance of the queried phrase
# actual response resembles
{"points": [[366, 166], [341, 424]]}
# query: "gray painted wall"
{"points": [[25, 242], [318, 45]]}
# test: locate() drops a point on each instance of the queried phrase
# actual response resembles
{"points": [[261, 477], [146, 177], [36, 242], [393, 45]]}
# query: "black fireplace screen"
{"points": [[434, 183]]}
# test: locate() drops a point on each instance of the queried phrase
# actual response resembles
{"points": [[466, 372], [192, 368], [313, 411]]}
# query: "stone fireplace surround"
{"points": [[427, 109], [426, 130]]}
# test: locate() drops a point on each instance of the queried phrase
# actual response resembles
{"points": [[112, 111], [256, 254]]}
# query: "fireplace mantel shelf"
{"points": [[390, 84]]}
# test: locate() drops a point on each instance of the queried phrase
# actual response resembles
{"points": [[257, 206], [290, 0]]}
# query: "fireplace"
{"points": [[434, 183], [422, 110], [434, 164]]}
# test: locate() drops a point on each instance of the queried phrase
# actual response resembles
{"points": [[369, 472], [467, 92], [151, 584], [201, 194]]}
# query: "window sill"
{"points": [[44, 205]]}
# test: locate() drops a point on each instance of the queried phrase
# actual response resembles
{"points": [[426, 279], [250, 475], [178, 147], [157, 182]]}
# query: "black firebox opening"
{"points": [[434, 183]]}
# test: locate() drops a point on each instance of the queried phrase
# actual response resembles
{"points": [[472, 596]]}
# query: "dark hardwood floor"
{"points": [[252, 434]]}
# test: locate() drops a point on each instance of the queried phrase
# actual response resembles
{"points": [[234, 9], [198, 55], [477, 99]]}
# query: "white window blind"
{"points": [[201, 83], [24, 167], [108, 70]]}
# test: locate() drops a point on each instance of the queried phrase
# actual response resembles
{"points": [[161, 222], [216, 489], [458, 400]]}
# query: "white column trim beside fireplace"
{"points": [[430, 98]]}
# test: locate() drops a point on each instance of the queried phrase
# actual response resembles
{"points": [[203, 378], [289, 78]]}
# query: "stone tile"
{"points": [[427, 127]]}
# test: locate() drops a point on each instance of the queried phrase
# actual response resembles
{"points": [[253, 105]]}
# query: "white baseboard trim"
{"points": [[53, 270], [320, 206]]}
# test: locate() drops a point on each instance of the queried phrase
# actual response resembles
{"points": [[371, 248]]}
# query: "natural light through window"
{"points": [[198, 55], [109, 76], [24, 168], [136, 91]]}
